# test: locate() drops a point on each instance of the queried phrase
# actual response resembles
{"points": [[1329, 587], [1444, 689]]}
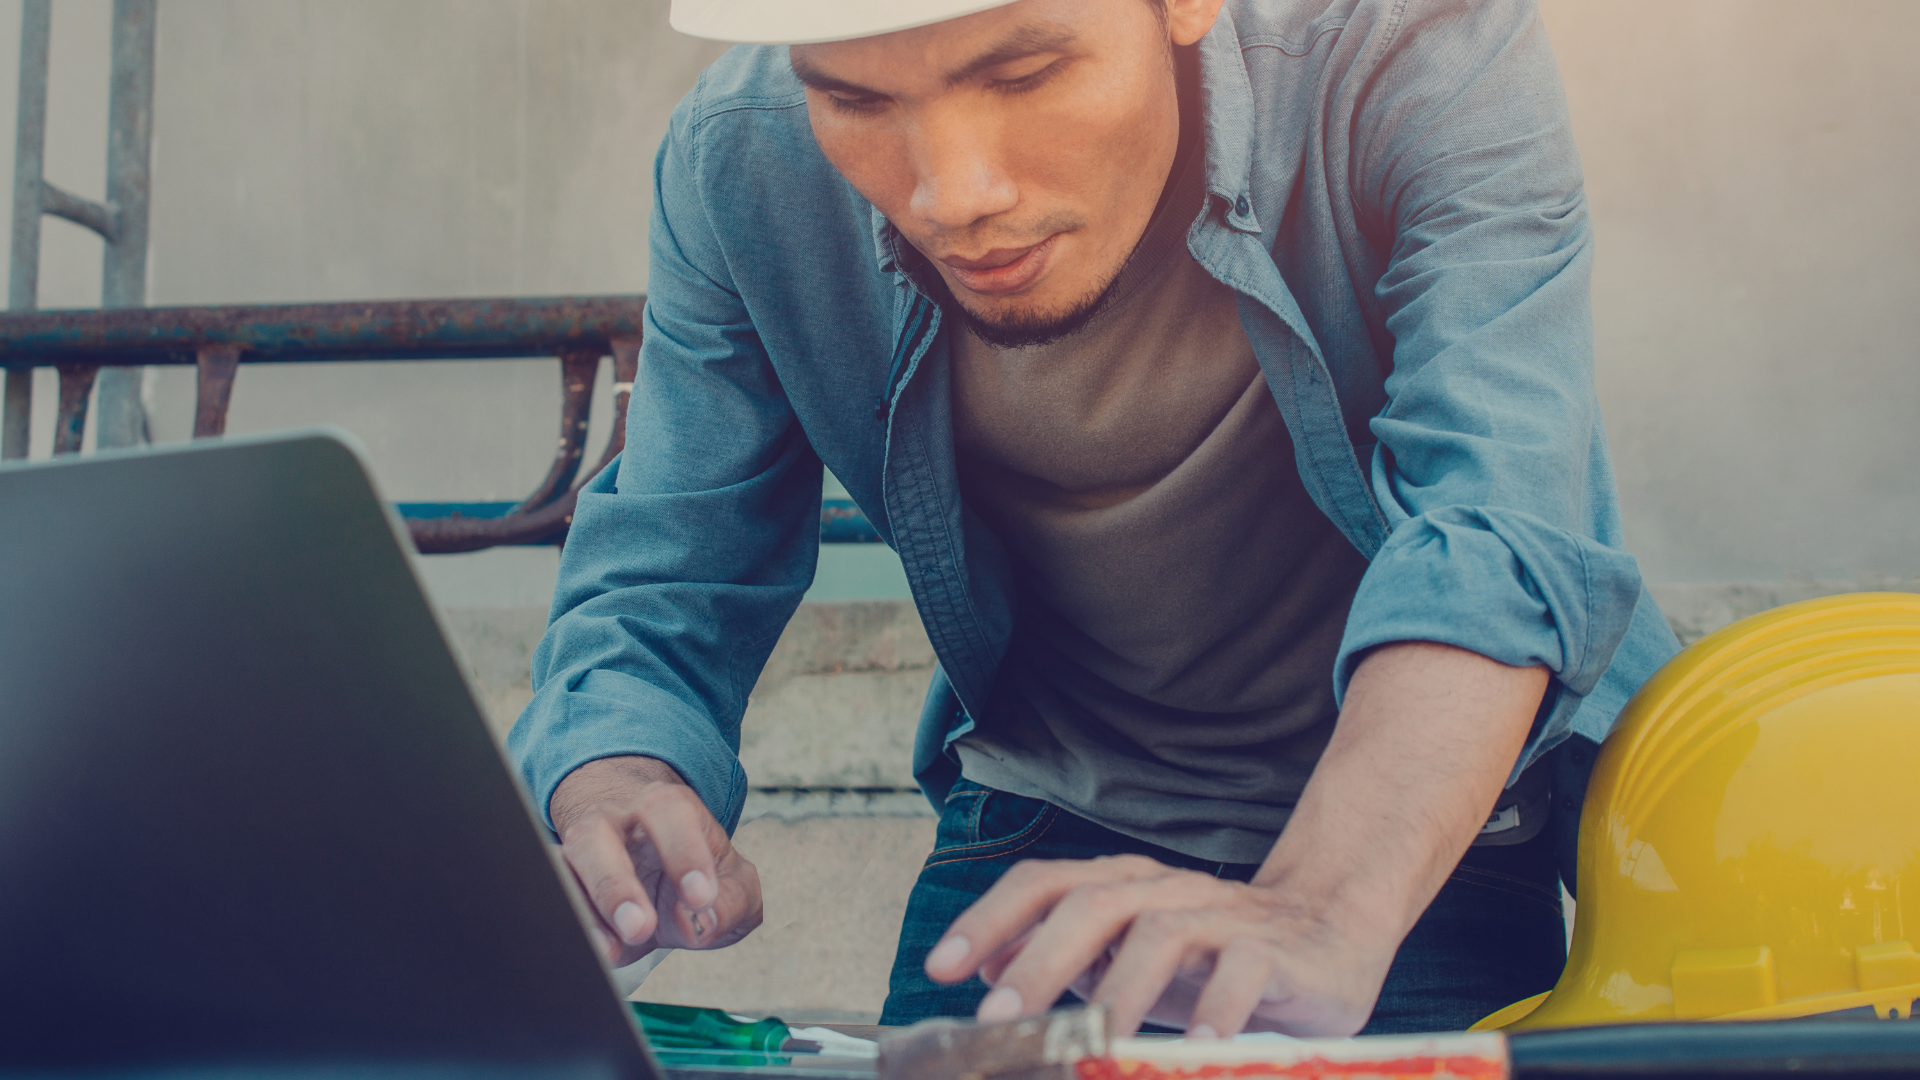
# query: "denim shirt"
{"points": [[1394, 195]]}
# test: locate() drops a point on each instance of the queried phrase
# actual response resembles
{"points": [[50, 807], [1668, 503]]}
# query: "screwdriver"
{"points": [[685, 1027]]}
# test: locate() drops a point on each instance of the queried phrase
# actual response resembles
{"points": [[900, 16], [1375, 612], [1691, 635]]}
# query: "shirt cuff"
{"points": [[1498, 582], [608, 714]]}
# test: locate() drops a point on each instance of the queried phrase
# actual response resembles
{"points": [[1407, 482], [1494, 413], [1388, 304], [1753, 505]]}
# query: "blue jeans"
{"points": [[1492, 936]]}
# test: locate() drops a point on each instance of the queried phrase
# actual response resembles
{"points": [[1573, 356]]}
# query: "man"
{"points": [[1222, 376]]}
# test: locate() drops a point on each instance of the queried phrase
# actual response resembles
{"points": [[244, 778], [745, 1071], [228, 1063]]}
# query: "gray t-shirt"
{"points": [[1181, 598]]}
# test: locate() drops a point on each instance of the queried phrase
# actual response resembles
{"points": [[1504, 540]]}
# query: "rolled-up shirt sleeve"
{"points": [[1490, 445], [689, 554]]}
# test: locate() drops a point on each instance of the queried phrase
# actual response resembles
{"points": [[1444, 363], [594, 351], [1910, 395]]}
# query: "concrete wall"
{"points": [[361, 149], [1749, 165], [835, 825]]}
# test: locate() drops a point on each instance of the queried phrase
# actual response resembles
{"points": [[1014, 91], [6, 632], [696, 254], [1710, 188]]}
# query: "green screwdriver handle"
{"points": [[684, 1027]]}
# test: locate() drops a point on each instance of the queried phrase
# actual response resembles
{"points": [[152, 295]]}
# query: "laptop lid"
{"points": [[250, 816]]}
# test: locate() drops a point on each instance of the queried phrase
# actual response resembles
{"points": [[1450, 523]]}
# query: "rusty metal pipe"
{"points": [[577, 372], [626, 363], [29, 159], [102, 218], [76, 384], [449, 535], [445, 536], [214, 389], [383, 330], [217, 340]]}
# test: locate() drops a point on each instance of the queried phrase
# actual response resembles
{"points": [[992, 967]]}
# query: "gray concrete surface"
{"points": [[1696, 610], [834, 710], [836, 705], [835, 890], [1750, 166]]}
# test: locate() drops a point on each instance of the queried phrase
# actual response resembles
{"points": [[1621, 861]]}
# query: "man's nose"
{"points": [[958, 174]]}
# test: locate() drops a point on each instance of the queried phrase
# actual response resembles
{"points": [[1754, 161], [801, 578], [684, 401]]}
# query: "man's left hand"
{"points": [[1423, 745], [1166, 946]]}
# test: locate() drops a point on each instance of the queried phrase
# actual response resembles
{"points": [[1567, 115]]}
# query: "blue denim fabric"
{"points": [[1492, 936], [1394, 193]]}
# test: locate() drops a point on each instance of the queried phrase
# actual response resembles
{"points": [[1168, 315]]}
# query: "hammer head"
{"points": [[1037, 1048]]}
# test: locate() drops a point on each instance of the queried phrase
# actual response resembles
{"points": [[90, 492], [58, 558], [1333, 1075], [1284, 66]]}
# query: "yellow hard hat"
{"points": [[1750, 842]]}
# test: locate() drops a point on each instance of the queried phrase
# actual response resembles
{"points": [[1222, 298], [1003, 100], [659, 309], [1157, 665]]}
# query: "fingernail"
{"points": [[703, 921], [1202, 1031], [697, 888], [1002, 1004], [630, 921], [949, 952]]}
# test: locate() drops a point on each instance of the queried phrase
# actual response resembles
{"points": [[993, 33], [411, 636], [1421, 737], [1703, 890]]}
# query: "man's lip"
{"points": [[1002, 270], [992, 260]]}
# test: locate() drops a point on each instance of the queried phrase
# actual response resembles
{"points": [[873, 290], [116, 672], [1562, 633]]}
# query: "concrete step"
{"points": [[835, 823]]}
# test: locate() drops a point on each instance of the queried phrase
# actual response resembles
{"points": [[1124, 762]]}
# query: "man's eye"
{"points": [[1026, 83], [854, 104]]}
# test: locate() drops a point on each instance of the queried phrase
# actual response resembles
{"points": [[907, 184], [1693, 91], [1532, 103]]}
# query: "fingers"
{"points": [[1172, 946], [1159, 946], [656, 868], [735, 914], [1084, 923], [1256, 981], [685, 840], [596, 850], [1018, 902], [992, 966], [1241, 977], [1073, 938]]}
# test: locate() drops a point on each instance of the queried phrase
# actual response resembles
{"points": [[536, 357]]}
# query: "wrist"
{"points": [[603, 781], [1348, 905], [629, 768]]}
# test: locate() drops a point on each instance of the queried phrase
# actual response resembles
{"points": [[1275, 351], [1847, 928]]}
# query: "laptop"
{"points": [[251, 820]]}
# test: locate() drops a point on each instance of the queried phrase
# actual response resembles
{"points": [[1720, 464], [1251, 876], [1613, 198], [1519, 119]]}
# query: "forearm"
{"points": [[1421, 751]]}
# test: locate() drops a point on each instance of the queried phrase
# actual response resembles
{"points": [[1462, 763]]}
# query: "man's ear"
{"points": [[1189, 20]]}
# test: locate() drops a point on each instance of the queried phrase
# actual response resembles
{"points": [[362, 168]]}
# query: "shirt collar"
{"points": [[1226, 95], [886, 242]]}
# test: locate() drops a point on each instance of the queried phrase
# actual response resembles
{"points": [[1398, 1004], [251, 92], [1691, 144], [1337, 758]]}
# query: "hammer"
{"points": [[1037, 1048]]}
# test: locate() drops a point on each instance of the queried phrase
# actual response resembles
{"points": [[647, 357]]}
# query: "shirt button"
{"points": [[1242, 207]]}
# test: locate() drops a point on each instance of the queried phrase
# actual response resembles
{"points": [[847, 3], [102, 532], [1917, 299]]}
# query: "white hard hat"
{"points": [[803, 22]]}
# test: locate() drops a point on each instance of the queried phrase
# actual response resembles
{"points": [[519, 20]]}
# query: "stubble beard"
{"points": [[1024, 327]]}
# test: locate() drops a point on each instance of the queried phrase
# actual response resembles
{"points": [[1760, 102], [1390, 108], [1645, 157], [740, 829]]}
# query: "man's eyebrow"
{"points": [[1023, 42], [816, 79]]}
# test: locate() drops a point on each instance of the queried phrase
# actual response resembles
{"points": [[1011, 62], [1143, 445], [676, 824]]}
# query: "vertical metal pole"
{"points": [[29, 160], [123, 284]]}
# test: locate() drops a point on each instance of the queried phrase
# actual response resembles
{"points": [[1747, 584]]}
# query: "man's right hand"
{"points": [[656, 868]]}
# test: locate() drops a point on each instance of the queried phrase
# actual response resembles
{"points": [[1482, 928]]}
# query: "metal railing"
{"points": [[120, 221], [109, 346], [580, 331]]}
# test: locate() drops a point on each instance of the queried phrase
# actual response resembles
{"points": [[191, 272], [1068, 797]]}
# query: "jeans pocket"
{"points": [[959, 816], [981, 823], [1003, 815]]}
